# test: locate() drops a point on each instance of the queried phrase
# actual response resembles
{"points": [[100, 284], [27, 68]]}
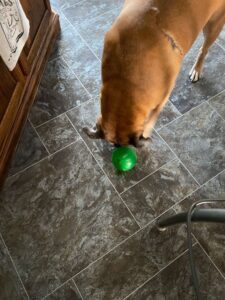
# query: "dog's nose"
{"points": [[117, 145]]}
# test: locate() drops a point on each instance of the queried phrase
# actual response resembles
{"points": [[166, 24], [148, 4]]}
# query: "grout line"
{"points": [[180, 114], [218, 44], [89, 94], [123, 242], [72, 5], [62, 285], [56, 289], [215, 110], [211, 179], [40, 138], [171, 207], [91, 19], [65, 112], [188, 195], [131, 236], [211, 260], [184, 114], [180, 160], [133, 185], [126, 239], [135, 233], [21, 171], [177, 111], [61, 57], [47, 157], [77, 289], [107, 253], [46, 122], [14, 266], [215, 95], [105, 175], [170, 263], [85, 42], [98, 259], [123, 201]]}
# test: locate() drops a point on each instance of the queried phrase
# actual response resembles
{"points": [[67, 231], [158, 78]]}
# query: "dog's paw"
{"points": [[194, 75], [144, 142], [146, 139]]}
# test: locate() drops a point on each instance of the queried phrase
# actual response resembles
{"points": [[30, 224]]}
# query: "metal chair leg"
{"points": [[213, 215]]}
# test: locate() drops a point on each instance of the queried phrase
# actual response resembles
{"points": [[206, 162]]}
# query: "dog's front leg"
{"points": [[153, 116]]}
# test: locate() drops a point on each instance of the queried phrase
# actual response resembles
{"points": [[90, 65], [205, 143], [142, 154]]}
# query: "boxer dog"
{"points": [[142, 57]]}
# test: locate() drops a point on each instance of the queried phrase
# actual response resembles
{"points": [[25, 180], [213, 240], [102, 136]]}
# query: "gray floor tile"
{"points": [[66, 292], [150, 158], [159, 192], [168, 114], [84, 11], [187, 95], [29, 150], [10, 285], [175, 282], [221, 39], [199, 141], [55, 5], [211, 236], [131, 264], [62, 4], [80, 59], [59, 216], [62, 214], [67, 42], [218, 103], [57, 133], [64, 23], [59, 91], [94, 30], [88, 70]]}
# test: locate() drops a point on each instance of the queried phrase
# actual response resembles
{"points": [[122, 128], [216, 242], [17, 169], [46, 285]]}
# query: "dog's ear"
{"points": [[94, 133], [153, 11]]}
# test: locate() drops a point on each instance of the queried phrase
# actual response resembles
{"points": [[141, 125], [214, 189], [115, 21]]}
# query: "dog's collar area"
{"points": [[173, 42]]}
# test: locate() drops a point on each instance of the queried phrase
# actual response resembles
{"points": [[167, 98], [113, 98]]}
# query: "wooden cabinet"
{"points": [[18, 88]]}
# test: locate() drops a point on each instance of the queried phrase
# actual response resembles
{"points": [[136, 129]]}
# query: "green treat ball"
{"points": [[124, 158]]}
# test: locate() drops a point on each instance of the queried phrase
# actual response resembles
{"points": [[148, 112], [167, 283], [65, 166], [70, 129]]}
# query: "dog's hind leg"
{"points": [[211, 32]]}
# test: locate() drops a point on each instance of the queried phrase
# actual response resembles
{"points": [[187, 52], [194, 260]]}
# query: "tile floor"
{"points": [[73, 228]]}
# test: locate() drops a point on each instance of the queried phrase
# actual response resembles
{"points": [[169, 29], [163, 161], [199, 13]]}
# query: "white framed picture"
{"points": [[14, 31]]}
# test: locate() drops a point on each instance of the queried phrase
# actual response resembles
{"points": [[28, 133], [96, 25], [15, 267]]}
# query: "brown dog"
{"points": [[143, 52]]}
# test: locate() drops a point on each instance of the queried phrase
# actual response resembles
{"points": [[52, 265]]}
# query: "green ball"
{"points": [[124, 158]]}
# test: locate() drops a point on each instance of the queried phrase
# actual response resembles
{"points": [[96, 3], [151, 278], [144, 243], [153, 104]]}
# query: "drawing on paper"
{"points": [[11, 23]]}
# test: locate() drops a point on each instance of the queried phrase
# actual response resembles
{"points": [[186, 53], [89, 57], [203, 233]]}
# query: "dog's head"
{"points": [[118, 126], [138, 73]]}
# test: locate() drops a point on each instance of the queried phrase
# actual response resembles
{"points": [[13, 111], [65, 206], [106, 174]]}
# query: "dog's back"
{"points": [[142, 57]]}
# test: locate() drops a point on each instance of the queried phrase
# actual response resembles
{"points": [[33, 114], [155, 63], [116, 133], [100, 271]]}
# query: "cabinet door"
{"points": [[7, 87], [39, 14], [11, 88], [35, 11]]}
